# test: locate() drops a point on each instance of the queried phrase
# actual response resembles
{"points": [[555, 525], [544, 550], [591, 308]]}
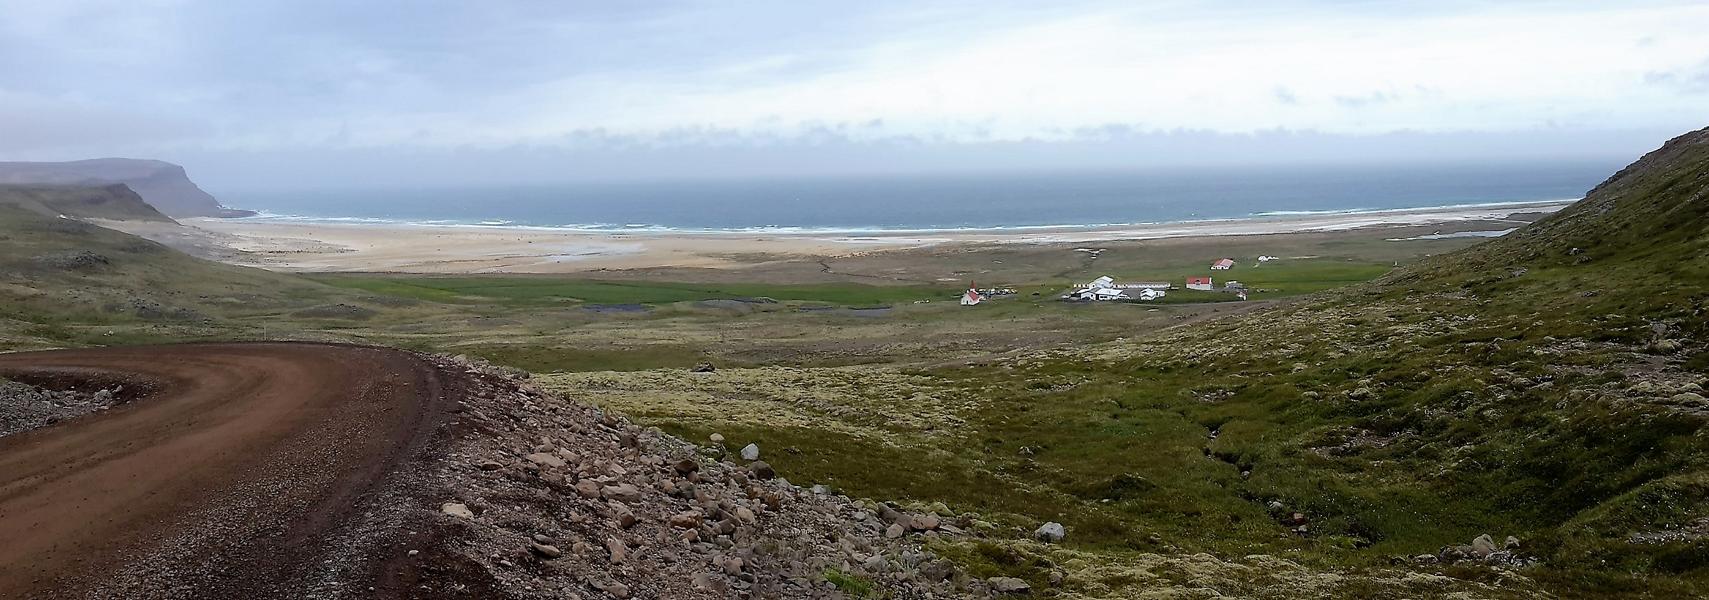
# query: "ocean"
{"points": [[941, 202]]}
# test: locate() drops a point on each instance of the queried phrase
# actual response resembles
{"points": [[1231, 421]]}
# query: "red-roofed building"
{"points": [[1199, 283], [972, 296], [1223, 264]]}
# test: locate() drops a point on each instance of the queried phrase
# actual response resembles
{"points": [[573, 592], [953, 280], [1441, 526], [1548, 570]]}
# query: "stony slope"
{"points": [[1547, 384], [114, 201], [1384, 440], [540, 496], [162, 184], [58, 276], [1641, 237]]}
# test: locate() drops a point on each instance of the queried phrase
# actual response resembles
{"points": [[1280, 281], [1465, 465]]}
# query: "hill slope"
{"points": [[1353, 444], [162, 184], [63, 282], [1638, 240], [1546, 385], [99, 202]]}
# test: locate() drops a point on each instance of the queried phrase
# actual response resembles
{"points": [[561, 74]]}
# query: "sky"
{"points": [[382, 92]]}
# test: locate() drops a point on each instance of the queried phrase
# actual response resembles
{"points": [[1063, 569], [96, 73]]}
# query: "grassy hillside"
{"points": [[70, 283], [99, 202], [1547, 385]]}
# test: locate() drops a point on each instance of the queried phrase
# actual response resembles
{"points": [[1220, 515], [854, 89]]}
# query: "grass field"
{"points": [[539, 289]]}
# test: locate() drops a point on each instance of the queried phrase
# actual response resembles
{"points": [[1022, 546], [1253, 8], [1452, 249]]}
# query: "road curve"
{"points": [[224, 480]]}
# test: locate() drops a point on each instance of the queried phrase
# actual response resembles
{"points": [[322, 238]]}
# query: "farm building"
{"points": [[1106, 288], [1223, 264], [971, 297], [1109, 282], [1200, 283]]}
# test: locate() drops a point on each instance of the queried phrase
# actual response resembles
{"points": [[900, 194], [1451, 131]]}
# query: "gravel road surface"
{"points": [[224, 479]]}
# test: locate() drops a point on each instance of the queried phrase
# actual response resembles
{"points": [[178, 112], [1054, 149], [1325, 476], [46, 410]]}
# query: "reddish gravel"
{"points": [[226, 480]]}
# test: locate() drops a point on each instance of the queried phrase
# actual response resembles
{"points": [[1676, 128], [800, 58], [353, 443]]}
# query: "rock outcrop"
{"points": [[163, 185], [115, 201]]}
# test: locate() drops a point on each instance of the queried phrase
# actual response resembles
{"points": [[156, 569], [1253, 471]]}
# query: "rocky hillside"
{"points": [[162, 184], [1547, 384], [62, 276], [99, 202], [533, 495], [1634, 245]]}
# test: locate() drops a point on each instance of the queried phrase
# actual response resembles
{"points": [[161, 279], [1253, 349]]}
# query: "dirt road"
{"points": [[225, 477]]}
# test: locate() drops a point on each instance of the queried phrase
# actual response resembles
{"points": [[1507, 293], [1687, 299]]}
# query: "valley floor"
{"points": [[454, 249], [1306, 443]]}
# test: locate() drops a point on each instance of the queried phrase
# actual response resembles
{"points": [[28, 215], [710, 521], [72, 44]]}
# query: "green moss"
{"points": [[853, 585], [547, 290]]}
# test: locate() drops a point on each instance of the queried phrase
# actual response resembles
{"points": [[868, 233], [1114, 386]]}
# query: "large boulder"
{"points": [[1051, 532], [1009, 585], [1483, 546]]}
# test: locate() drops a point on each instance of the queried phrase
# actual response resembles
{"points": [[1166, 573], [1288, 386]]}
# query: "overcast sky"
{"points": [[377, 92]]}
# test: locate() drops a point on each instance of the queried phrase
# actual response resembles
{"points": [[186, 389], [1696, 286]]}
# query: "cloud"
{"points": [[198, 78], [1692, 80], [37, 127], [1366, 100]]}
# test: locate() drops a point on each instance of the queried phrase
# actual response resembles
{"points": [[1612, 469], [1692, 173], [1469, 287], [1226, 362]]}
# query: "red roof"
{"points": [[1193, 280], [1224, 262]]}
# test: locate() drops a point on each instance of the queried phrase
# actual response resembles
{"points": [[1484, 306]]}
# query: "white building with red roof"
{"points": [[972, 296]]}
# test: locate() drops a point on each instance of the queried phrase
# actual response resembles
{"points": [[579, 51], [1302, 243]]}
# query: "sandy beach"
{"points": [[331, 247]]}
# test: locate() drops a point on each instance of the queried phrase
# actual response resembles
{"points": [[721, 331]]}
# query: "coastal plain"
{"points": [[1397, 393], [310, 246]]}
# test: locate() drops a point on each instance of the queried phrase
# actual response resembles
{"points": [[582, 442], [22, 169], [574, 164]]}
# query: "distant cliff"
{"points": [[162, 184], [113, 201]]}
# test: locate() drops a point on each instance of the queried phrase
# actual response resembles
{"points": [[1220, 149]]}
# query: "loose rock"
{"points": [[1051, 532], [1009, 585], [761, 470], [457, 510]]}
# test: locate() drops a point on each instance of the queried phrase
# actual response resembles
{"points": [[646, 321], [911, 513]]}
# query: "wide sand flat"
{"points": [[329, 247]]}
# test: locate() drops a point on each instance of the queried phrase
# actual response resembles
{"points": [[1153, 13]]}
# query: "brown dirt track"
{"points": [[226, 479]]}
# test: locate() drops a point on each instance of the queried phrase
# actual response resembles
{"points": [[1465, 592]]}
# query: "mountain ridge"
{"points": [[163, 185], [114, 201]]}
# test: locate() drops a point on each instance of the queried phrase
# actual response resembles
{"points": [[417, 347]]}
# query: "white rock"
{"points": [[457, 510], [1051, 532], [751, 452]]}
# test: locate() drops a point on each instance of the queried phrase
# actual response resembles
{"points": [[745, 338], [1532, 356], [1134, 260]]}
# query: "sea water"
{"points": [[920, 202]]}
